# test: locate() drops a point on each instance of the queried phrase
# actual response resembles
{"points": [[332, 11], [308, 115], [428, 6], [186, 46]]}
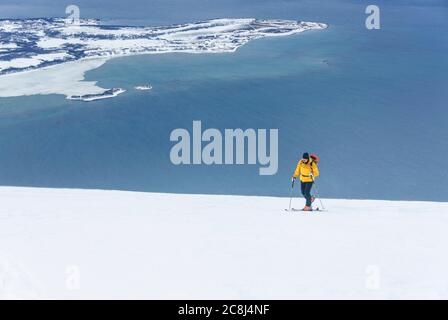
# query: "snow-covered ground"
{"points": [[60, 243]]}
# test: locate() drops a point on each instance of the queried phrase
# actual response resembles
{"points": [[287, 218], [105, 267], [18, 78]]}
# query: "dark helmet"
{"points": [[306, 156]]}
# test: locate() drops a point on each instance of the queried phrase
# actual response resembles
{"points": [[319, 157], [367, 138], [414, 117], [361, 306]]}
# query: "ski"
{"points": [[301, 210]]}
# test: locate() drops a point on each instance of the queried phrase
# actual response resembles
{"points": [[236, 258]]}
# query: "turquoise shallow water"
{"points": [[372, 104]]}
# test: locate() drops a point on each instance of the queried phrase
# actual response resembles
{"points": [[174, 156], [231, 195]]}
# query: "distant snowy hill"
{"points": [[29, 46], [60, 243], [35, 43]]}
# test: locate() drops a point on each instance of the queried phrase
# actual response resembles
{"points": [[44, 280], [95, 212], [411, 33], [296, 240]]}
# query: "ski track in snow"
{"points": [[38, 44], [148, 245]]}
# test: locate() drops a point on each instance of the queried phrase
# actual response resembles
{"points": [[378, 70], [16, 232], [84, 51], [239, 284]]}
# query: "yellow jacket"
{"points": [[305, 170]]}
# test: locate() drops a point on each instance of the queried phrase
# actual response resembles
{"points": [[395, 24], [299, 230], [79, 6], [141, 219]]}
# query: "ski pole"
{"points": [[290, 194], [317, 192]]}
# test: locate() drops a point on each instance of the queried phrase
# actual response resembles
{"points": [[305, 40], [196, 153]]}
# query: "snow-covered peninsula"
{"points": [[30, 49]]}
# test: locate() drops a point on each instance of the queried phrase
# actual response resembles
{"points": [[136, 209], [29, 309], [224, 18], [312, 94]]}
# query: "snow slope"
{"points": [[60, 243]]}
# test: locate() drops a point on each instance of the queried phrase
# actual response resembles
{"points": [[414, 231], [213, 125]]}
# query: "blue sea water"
{"points": [[372, 104]]}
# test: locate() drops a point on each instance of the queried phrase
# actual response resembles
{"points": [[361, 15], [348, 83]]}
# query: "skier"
{"points": [[307, 170]]}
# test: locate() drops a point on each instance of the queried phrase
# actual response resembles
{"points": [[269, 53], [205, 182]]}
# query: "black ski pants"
{"points": [[306, 192]]}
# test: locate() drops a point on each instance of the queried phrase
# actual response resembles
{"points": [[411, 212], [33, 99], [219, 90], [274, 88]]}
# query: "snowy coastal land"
{"points": [[68, 243], [47, 46]]}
